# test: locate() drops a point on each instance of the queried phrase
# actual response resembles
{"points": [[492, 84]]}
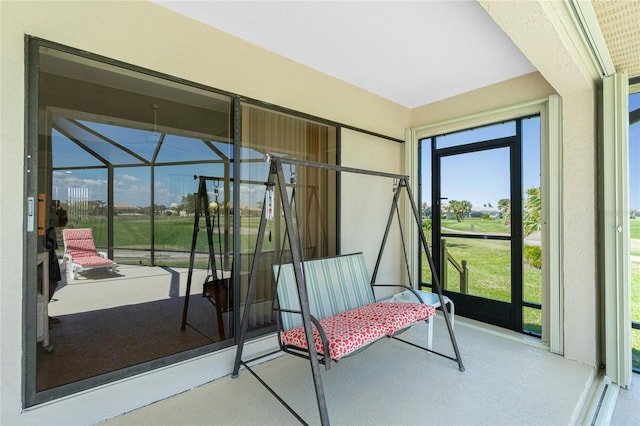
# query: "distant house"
{"points": [[493, 212], [126, 209], [247, 210]]}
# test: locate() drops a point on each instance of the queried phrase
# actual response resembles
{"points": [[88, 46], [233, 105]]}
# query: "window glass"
{"points": [[138, 166], [494, 131], [531, 225], [634, 206], [118, 152], [283, 135], [180, 149]]}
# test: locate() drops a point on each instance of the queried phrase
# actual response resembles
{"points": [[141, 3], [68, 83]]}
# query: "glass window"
{"points": [[118, 152], [284, 135], [634, 206], [137, 165], [480, 134], [531, 226]]}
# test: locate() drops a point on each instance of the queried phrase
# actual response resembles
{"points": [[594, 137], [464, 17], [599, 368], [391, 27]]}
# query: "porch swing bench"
{"points": [[326, 308], [343, 308]]}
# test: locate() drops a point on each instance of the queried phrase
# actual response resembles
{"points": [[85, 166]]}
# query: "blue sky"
{"points": [[483, 178], [634, 156]]}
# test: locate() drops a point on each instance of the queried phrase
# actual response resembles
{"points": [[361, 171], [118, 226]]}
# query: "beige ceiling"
{"points": [[410, 52], [620, 24]]}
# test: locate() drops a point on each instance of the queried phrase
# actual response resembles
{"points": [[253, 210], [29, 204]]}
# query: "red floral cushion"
{"points": [[344, 335], [393, 315], [353, 329]]}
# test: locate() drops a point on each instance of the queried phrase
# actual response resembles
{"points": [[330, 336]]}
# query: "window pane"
{"points": [[634, 205], [279, 134], [181, 149], [142, 142], [493, 131], [531, 223], [425, 204], [118, 152]]}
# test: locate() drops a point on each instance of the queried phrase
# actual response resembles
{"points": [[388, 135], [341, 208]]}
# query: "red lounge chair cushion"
{"points": [[92, 261]]}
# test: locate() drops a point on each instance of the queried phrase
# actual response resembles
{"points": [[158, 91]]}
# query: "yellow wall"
{"points": [[511, 92], [366, 203]]}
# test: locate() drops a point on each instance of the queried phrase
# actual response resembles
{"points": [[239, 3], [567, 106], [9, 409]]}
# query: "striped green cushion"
{"points": [[334, 285]]}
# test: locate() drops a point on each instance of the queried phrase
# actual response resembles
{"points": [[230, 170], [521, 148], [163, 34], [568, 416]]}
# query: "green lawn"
{"points": [[635, 312], [488, 263], [171, 234], [634, 231], [488, 260], [488, 226]]}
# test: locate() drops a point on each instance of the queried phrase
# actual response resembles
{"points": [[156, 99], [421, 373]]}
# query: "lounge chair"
{"points": [[80, 253]]}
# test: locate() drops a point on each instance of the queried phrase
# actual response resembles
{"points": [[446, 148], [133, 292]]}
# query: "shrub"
{"points": [[533, 256]]}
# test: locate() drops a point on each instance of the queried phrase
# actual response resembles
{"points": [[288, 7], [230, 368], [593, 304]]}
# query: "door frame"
{"points": [[502, 314], [550, 111]]}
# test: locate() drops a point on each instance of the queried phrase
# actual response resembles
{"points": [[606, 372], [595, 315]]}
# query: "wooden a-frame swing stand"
{"points": [[276, 179]]}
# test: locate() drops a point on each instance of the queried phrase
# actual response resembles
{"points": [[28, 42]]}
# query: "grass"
{"points": [[487, 226], [490, 274], [171, 233], [635, 312], [488, 260], [634, 231]]}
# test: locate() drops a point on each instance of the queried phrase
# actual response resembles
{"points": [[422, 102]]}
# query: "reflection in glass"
{"points": [[122, 163], [269, 132]]}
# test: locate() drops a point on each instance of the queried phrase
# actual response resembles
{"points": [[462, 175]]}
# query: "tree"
{"points": [[460, 209], [504, 205], [188, 203], [532, 216], [426, 210]]}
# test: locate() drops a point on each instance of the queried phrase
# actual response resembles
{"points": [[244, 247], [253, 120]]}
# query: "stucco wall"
{"points": [[366, 202], [580, 228], [512, 92]]}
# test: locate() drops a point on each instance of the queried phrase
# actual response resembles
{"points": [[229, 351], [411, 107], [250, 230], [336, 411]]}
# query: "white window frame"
{"points": [[614, 230]]}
